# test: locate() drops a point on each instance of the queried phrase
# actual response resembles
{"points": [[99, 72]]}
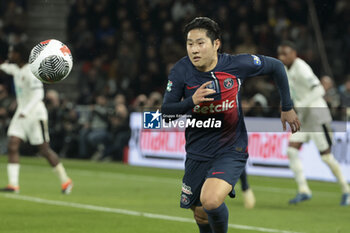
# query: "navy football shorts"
{"points": [[227, 167]]}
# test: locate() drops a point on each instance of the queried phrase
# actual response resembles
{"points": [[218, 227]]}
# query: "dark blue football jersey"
{"points": [[226, 79]]}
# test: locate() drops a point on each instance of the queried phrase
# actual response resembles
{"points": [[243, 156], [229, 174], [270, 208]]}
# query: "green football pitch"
{"points": [[117, 198]]}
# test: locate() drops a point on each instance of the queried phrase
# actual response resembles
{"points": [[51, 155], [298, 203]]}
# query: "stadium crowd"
{"points": [[126, 48]]}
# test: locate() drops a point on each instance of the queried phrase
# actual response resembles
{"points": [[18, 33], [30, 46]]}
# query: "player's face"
{"points": [[201, 51], [287, 55], [12, 55]]}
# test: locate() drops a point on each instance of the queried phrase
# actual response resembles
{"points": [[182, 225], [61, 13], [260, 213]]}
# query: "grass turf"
{"points": [[154, 191]]}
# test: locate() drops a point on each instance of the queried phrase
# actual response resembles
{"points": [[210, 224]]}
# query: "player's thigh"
{"points": [[17, 128], [193, 179], [214, 192], [323, 138], [227, 170], [37, 131]]}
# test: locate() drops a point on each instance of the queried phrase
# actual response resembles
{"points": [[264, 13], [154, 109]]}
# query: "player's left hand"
{"points": [[292, 119]]}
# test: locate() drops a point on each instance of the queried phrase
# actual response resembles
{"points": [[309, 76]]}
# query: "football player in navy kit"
{"points": [[205, 85]]}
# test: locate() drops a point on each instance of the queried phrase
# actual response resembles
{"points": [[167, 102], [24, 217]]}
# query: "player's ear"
{"points": [[217, 44], [295, 53]]}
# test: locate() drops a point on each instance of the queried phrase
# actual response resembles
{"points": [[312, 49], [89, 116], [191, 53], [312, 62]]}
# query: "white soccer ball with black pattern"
{"points": [[51, 61]]}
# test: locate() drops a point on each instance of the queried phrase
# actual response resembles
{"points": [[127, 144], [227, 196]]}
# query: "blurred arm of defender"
{"points": [[8, 68]]}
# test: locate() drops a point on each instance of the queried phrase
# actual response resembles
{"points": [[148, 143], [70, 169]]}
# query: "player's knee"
{"points": [[325, 152], [327, 158], [44, 150], [210, 202]]}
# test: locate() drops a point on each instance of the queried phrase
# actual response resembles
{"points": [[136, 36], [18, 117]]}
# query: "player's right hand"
{"points": [[292, 119], [200, 95]]}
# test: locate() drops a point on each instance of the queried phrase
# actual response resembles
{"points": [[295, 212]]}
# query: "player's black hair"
{"points": [[213, 29], [289, 44], [22, 50]]}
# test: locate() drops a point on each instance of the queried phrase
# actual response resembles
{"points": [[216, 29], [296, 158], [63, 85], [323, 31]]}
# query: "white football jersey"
{"points": [[302, 80], [26, 86]]}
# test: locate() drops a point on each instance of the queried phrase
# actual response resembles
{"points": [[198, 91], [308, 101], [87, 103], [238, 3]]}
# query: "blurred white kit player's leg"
{"points": [[323, 142]]}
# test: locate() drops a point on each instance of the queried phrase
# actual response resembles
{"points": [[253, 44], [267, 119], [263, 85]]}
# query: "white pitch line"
{"points": [[132, 213]]}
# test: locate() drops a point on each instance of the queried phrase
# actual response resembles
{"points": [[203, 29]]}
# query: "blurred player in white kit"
{"points": [[30, 120], [307, 94]]}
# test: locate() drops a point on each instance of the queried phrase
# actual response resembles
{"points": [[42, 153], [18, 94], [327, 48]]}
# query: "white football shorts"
{"points": [[30, 129], [323, 137]]}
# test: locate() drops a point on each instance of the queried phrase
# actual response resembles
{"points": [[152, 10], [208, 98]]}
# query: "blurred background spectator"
{"points": [[119, 133], [331, 96], [95, 131]]}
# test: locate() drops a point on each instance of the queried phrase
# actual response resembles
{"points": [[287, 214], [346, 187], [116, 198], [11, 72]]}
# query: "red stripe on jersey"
{"points": [[229, 87]]}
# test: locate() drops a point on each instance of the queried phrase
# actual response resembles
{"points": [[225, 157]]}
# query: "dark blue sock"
{"points": [[218, 219], [204, 228], [244, 181]]}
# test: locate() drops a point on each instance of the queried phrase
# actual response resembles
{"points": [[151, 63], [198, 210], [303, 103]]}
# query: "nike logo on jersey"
{"points": [[189, 88], [215, 173]]}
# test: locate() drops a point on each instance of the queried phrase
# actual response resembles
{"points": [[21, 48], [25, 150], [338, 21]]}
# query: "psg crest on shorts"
{"points": [[228, 83]]}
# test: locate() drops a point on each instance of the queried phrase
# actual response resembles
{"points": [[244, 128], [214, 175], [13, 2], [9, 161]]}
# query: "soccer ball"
{"points": [[50, 61]]}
